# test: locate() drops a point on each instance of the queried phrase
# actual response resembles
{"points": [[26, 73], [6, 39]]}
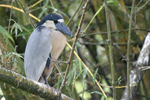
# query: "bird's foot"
{"points": [[47, 84]]}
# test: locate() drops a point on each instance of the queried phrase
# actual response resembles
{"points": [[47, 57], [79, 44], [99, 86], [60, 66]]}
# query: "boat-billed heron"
{"points": [[44, 46]]}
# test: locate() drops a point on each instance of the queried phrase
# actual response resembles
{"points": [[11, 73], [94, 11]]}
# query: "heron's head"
{"points": [[54, 21]]}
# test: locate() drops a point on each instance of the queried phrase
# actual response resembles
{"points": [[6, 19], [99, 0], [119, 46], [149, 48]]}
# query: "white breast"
{"points": [[58, 42]]}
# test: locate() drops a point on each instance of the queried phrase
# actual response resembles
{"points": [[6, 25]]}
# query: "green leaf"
{"points": [[46, 2], [19, 27], [75, 66], [119, 78], [63, 13], [16, 30], [77, 77], [12, 53], [23, 33], [69, 77], [97, 92], [94, 76], [5, 33], [59, 82], [103, 97], [13, 26], [26, 29], [80, 65], [42, 12], [112, 1]]}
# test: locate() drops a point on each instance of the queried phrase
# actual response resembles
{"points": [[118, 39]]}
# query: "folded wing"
{"points": [[37, 52]]}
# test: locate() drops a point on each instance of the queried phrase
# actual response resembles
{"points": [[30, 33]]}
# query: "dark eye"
{"points": [[55, 21]]}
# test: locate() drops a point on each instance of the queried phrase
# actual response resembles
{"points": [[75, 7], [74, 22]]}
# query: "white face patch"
{"points": [[49, 24], [61, 20]]}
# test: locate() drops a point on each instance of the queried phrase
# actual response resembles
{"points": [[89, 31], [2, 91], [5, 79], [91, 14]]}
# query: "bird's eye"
{"points": [[55, 21]]}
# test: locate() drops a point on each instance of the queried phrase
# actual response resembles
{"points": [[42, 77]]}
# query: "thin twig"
{"points": [[106, 43], [138, 10], [110, 51], [98, 11], [6, 60], [27, 14], [65, 62], [145, 67], [128, 53], [74, 13], [119, 51], [10, 17], [74, 43], [114, 32], [52, 3], [18, 9], [35, 4]]}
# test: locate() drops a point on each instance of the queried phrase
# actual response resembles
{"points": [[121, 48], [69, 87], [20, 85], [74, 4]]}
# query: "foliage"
{"points": [[91, 63]]}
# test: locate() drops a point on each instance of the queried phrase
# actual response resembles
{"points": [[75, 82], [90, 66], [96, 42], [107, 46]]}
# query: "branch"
{"points": [[106, 43], [26, 14], [139, 8], [128, 52], [136, 74], [23, 83], [110, 50], [74, 43], [115, 32], [74, 13]]}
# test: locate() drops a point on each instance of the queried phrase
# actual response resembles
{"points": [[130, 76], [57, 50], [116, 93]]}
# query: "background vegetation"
{"points": [[92, 46]]}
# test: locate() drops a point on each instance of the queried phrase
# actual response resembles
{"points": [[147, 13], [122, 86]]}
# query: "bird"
{"points": [[44, 46]]}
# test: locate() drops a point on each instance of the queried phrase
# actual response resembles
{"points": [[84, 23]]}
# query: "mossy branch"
{"points": [[25, 84], [136, 73]]}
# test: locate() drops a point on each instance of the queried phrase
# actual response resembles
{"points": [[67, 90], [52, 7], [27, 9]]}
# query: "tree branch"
{"points": [[23, 83], [74, 43], [128, 52], [110, 51], [106, 43], [136, 74], [115, 32]]}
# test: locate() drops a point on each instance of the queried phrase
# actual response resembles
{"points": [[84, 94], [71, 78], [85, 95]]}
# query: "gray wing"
{"points": [[37, 52]]}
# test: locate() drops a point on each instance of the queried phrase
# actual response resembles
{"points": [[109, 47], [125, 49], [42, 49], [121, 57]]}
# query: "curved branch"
{"points": [[31, 86], [136, 73]]}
